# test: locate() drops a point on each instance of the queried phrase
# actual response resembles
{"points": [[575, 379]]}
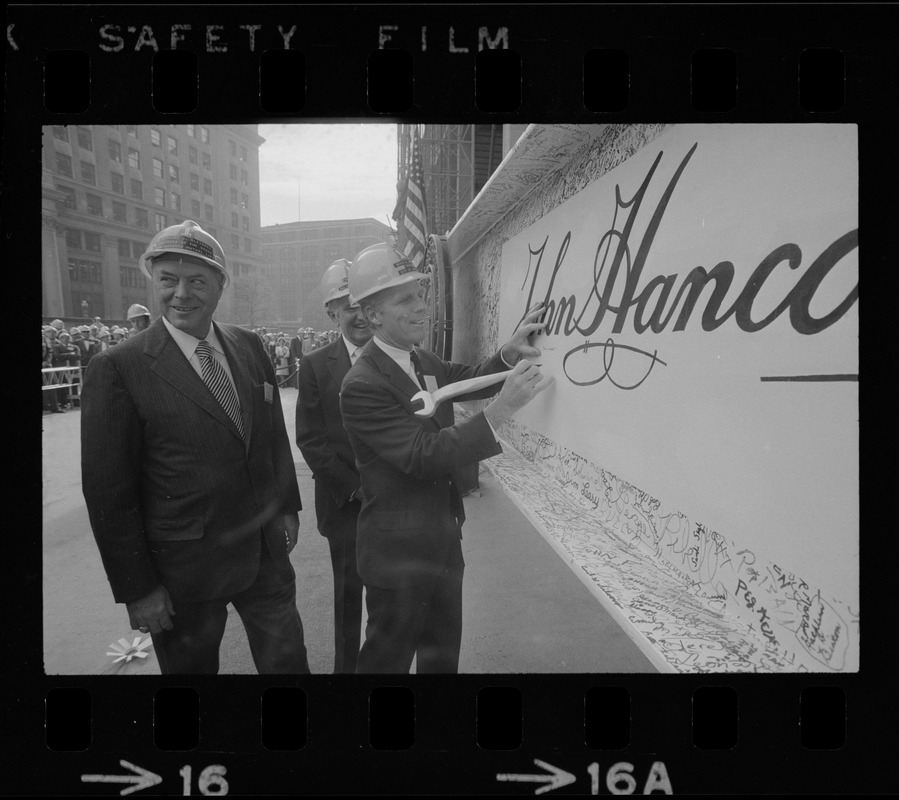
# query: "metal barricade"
{"points": [[63, 378]]}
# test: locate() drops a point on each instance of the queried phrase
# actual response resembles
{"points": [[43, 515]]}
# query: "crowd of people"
{"points": [[74, 347]]}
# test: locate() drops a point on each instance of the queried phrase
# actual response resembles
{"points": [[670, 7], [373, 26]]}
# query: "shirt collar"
{"points": [[188, 344], [350, 347], [400, 356]]}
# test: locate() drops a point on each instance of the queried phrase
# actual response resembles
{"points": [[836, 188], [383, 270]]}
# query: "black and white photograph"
{"points": [[638, 352]]}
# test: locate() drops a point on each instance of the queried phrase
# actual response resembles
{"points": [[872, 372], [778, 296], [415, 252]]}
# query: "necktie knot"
{"points": [[204, 349]]}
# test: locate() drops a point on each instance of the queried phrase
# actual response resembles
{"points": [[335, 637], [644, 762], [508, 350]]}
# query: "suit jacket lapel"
{"points": [[170, 364], [338, 362], [392, 371]]}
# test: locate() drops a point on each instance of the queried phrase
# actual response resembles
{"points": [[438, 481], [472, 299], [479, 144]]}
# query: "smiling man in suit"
{"points": [[408, 549], [325, 447], [188, 473]]}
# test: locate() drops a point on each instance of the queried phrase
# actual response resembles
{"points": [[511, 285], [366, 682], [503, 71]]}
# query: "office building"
{"points": [[107, 189], [296, 255]]}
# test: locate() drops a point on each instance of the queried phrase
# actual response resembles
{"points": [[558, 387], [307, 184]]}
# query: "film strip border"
{"points": [[580, 63], [813, 63], [473, 734]]}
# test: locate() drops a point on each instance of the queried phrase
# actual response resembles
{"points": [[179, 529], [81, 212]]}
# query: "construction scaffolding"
{"points": [[451, 174]]}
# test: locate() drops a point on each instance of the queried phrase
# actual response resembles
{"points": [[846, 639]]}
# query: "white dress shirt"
{"points": [[352, 349], [188, 345]]}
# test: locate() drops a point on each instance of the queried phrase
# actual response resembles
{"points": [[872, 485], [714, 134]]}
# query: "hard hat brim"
{"points": [[399, 280], [146, 262]]}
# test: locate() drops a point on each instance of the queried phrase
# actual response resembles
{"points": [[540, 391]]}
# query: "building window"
{"points": [[137, 189], [137, 249], [155, 137], [234, 197], [85, 140], [233, 169], [233, 145], [207, 161], [115, 151], [176, 201], [207, 186], [245, 223], [235, 220], [243, 177], [204, 134], [195, 209], [119, 212], [69, 200], [81, 271], [157, 168], [133, 158], [159, 196], [94, 205], [124, 248], [235, 241], [194, 182], [88, 173], [131, 130], [248, 245], [118, 183], [159, 221], [64, 165], [243, 153], [192, 154], [92, 241], [208, 212], [73, 238], [174, 174], [244, 201], [173, 145], [192, 131], [141, 218], [60, 132]]}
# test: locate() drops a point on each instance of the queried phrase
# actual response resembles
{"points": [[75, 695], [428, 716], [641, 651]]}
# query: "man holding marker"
{"points": [[409, 552]]}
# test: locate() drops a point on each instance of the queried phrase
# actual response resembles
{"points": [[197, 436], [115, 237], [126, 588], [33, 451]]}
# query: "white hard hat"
{"points": [[186, 238], [137, 310], [379, 267], [334, 281]]}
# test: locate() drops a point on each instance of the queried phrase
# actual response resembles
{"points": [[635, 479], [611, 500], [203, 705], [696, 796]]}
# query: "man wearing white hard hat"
{"points": [[139, 317], [188, 473], [326, 449], [408, 549]]}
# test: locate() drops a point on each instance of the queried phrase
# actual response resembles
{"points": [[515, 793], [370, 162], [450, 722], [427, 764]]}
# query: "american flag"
{"points": [[413, 222]]}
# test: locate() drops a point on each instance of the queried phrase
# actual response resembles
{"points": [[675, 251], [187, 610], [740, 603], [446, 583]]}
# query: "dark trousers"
{"points": [[269, 614], [424, 621], [347, 597]]}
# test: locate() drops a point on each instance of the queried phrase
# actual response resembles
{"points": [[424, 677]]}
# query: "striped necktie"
{"points": [[415, 361], [219, 384]]}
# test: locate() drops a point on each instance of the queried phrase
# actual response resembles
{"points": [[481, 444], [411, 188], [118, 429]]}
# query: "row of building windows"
{"points": [[310, 234], [171, 200], [84, 271]]}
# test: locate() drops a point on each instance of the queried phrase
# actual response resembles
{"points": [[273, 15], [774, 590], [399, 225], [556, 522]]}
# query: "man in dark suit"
{"points": [[323, 441], [409, 552], [188, 473], [296, 355]]}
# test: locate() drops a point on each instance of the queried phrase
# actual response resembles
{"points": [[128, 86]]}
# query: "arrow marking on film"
{"points": [[142, 779], [558, 778]]}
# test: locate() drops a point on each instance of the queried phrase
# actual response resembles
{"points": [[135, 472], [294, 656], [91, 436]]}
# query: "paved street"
{"points": [[524, 610]]}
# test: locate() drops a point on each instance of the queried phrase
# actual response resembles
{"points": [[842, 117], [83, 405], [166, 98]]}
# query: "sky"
{"points": [[335, 171]]}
